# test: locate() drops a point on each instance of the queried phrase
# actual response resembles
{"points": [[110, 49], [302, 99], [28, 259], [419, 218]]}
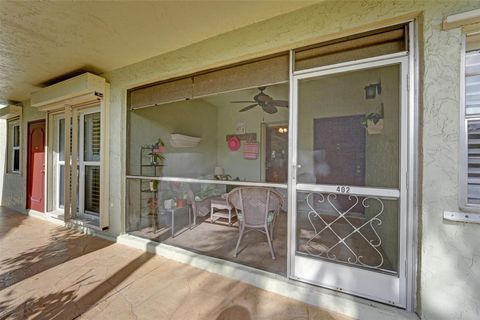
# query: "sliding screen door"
{"points": [[350, 179]]}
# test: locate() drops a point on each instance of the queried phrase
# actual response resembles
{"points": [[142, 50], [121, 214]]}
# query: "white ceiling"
{"points": [[43, 40]]}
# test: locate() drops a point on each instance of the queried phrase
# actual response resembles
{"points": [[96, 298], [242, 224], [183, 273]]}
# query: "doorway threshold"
{"points": [[57, 217], [321, 297]]}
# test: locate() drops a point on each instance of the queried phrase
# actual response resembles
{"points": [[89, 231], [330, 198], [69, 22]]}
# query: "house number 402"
{"points": [[343, 189]]}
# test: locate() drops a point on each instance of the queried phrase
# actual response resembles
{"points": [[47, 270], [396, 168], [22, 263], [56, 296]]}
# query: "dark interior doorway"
{"points": [[339, 154], [276, 151]]}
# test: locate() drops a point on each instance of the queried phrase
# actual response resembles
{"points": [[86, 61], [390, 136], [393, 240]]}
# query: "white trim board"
{"points": [[320, 297]]}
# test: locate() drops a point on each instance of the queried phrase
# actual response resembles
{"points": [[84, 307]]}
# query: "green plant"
{"points": [[374, 117]]}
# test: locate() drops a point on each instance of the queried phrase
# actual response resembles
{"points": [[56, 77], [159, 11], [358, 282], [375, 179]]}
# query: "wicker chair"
{"points": [[257, 209]]}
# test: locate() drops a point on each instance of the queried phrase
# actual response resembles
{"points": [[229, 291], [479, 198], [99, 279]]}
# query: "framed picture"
{"points": [[240, 127]]}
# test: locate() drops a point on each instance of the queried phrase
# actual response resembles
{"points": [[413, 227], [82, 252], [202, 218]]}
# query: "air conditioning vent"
{"points": [[77, 90]]}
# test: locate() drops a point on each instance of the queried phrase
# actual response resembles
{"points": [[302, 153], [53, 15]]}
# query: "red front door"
{"points": [[36, 166]]}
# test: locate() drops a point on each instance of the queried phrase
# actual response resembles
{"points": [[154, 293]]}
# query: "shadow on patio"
{"points": [[9, 221], [68, 275], [43, 248], [69, 303]]}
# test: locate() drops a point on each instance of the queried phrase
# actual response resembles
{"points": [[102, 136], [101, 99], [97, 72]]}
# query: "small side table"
{"points": [[174, 211], [219, 208]]}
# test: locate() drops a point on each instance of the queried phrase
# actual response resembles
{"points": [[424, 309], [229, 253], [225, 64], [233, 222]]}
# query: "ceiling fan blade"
{"points": [[242, 102], [280, 103], [268, 108], [248, 107]]}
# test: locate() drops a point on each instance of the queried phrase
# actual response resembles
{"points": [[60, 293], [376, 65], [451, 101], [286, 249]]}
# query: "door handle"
{"points": [[294, 173]]}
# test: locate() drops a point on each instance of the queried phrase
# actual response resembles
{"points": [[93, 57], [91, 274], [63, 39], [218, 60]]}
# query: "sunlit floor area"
{"points": [[49, 272], [219, 240]]}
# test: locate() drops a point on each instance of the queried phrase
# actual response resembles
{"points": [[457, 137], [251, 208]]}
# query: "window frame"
{"points": [[463, 203], [11, 125], [81, 162], [57, 163]]}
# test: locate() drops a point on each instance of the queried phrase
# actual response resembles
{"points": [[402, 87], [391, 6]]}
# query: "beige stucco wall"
{"points": [[449, 265], [195, 118], [14, 185], [450, 252]]}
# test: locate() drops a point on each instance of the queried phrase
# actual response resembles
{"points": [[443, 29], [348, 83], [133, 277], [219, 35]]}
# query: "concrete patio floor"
{"points": [[50, 272]]}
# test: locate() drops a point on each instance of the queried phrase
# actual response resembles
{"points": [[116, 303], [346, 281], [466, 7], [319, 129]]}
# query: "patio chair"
{"points": [[256, 209]]}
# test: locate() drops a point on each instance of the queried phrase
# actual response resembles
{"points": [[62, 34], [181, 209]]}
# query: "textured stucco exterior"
{"points": [[449, 253], [14, 185]]}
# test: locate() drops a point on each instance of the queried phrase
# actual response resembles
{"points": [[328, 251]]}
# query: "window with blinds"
{"points": [[92, 189], [92, 137], [91, 158], [13, 146], [472, 122]]}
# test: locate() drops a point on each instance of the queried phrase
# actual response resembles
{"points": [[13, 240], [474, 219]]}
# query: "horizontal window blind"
{"points": [[92, 137], [92, 189], [473, 42], [165, 92], [472, 111], [254, 74], [257, 73], [352, 48]]}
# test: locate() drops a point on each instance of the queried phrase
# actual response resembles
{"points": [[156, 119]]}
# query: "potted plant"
{"points": [[157, 152], [182, 200], [373, 122], [152, 206]]}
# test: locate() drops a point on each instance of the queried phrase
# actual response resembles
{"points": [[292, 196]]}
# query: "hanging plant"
{"points": [[371, 117], [373, 122]]}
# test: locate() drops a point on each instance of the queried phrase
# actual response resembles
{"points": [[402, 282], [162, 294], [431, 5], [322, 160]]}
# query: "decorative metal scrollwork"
{"points": [[354, 257]]}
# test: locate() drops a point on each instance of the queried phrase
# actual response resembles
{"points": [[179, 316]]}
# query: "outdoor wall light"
{"points": [[5, 103], [372, 90], [282, 130]]}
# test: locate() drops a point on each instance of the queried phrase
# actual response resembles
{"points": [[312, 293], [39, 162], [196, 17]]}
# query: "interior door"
{"points": [[36, 166], [276, 151], [349, 179]]}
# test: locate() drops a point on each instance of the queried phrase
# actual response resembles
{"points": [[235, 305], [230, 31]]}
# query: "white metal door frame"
{"points": [[361, 284]]}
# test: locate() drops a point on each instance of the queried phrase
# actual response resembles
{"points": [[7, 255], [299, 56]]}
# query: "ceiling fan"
{"points": [[267, 103]]}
